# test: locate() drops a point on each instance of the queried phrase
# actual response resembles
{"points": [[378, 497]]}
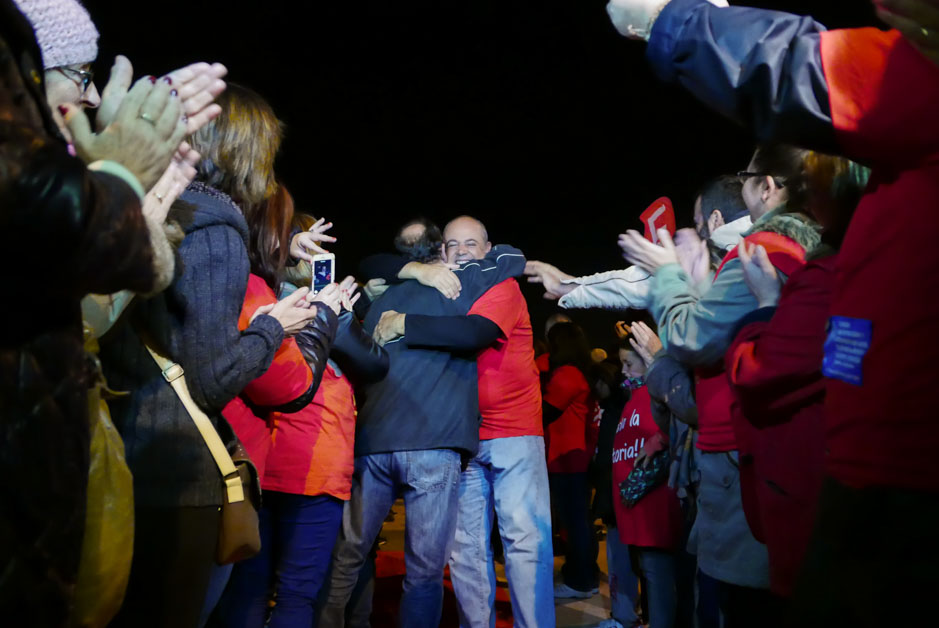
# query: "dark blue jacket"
{"points": [[429, 399]]}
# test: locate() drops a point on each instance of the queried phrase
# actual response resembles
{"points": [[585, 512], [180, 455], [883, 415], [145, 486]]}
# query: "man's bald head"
{"points": [[465, 239]]}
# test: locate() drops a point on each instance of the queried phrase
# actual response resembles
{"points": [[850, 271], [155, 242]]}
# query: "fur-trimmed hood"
{"points": [[794, 225]]}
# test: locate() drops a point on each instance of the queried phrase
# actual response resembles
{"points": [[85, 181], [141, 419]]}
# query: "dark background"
{"points": [[536, 117]]}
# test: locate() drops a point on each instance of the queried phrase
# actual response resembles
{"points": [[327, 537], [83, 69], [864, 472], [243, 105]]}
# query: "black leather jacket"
{"points": [[359, 357]]}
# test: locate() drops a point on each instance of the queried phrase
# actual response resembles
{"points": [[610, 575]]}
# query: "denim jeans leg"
{"points": [[471, 568], [624, 585], [431, 495], [658, 567], [523, 510], [305, 528], [373, 493]]}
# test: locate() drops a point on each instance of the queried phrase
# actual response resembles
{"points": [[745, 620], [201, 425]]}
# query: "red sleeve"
{"points": [[565, 385], [289, 376], [501, 304], [775, 367], [883, 96]]}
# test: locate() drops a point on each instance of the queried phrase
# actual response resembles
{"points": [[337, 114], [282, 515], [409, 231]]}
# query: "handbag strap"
{"points": [[173, 373]]}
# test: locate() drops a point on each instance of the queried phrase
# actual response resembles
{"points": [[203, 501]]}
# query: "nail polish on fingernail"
{"points": [[152, 79], [167, 80], [63, 110], [173, 92]]}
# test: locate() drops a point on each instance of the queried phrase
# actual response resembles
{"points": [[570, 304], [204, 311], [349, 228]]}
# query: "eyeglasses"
{"points": [[84, 77], [743, 174]]}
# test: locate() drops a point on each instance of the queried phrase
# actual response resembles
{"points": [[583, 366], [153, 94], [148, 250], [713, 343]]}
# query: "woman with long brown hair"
{"points": [[177, 486]]}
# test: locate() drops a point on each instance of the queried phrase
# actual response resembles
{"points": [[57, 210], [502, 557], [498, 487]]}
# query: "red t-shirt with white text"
{"points": [[655, 520], [509, 386]]}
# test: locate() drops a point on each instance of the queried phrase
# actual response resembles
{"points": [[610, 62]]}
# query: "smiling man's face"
{"points": [[465, 240]]}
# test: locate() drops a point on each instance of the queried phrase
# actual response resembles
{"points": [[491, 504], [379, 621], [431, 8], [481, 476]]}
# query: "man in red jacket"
{"points": [[871, 96]]}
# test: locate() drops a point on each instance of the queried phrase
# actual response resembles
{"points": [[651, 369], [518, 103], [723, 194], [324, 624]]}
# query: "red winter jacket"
{"points": [[870, 96], [288, 380], [774, 366]]}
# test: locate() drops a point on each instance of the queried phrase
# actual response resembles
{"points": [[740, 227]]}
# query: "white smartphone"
{"points": [[324, 270]]}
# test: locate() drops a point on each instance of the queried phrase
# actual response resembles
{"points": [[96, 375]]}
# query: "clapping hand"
{"points": [[179, 174], [330, 296], [309, 240], [146, 132], [693, 254], [917, 21], [293, 312], [639, 251], [197, 86], [550, 277], [645, 342], [759, 274]]}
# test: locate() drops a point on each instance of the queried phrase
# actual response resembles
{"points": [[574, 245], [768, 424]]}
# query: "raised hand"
{"points": [[759, 274], [645, 342], [550, 277], [146, 132], [639, 251], [307, 241], [179, 174], [347, 291]]}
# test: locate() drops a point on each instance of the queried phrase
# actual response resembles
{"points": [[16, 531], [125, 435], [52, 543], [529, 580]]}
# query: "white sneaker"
{"points": [[564, 591]]}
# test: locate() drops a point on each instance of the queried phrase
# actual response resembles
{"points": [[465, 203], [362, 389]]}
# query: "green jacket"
{"points": [[696, 326]]}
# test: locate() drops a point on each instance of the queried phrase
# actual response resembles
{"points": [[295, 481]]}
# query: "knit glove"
{"points": [[635, 18]]}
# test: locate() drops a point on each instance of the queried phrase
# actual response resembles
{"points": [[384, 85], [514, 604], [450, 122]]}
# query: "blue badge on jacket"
{"points": [[847, 343]]}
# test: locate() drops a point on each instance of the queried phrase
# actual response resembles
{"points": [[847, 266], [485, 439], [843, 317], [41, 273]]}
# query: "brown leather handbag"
{"points": [[239, 536]]}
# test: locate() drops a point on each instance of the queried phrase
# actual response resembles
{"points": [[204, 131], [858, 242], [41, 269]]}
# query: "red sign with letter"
{"points": [[659, 215]]}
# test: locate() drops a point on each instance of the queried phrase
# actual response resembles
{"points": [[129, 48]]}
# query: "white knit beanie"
{"points": [[65, 32]]}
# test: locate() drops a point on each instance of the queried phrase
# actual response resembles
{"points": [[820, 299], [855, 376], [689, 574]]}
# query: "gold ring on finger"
{"points": [[147, 117]]}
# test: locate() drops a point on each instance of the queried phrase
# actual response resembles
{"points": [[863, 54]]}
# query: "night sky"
{"points": [[536, 117]]}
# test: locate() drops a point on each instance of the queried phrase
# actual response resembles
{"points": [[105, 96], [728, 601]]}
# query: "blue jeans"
{"points": [[298, 533], [624, 585], [508, 477], [429, 481], [657, 570], [570, 495]]}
